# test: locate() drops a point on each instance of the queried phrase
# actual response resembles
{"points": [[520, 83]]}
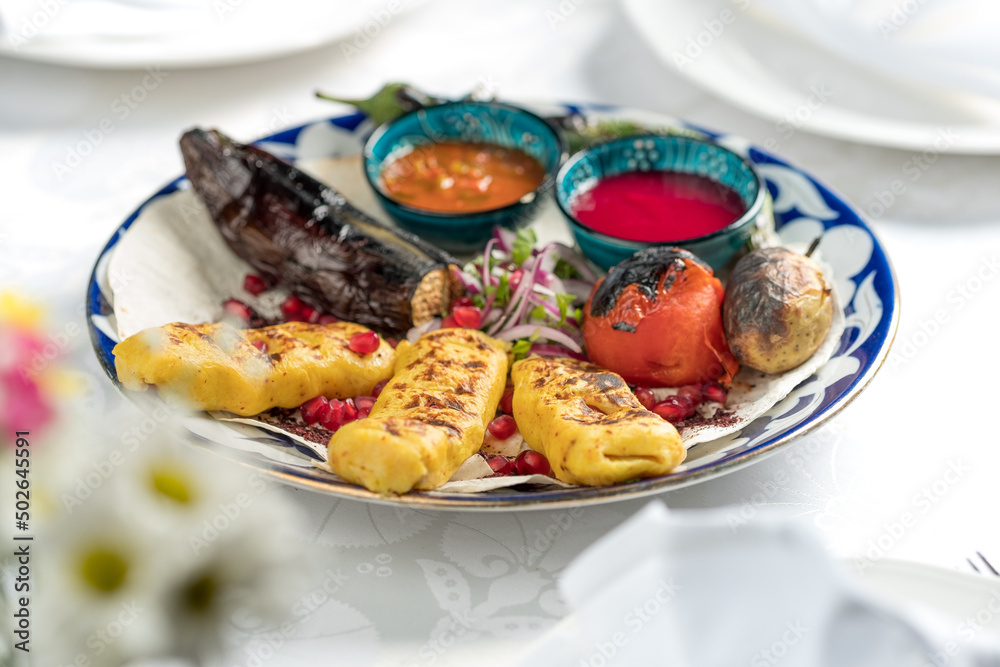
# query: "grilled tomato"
{"points": [[656, 320]]}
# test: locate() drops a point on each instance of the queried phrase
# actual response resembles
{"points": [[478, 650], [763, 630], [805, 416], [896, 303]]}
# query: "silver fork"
{"points": [[985, 564]]}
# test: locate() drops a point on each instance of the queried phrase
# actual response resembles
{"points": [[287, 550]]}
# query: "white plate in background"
{"points": [[766, 70], [953, 594], [207, 33]]}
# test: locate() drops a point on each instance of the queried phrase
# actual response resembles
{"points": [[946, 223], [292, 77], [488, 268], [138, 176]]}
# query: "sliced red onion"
{"points": [[545, 279], [551, 252], [470, 283], [514, 310], [504, 238], [538, 286], [490, 316], [524, 302], [550, 350], [548, 333], [574, 259], [549, 307], [544, 291], [487, 256], [488, 307], [529, 279], [416, 332]]}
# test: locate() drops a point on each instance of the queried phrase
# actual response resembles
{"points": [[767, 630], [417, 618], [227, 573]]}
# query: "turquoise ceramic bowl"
{"points": [[664, 153], [486, 122]]}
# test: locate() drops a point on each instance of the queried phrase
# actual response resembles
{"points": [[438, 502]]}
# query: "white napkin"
{"points": [[26, 20], [689, 589], [952, 44]]}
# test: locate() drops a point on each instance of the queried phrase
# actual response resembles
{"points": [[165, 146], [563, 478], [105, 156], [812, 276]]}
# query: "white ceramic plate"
{"points": [[954, 595], [208, 34], [953, 598], [768, 71]]}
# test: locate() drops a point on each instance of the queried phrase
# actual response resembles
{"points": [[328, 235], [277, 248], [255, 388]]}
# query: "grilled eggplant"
{"points": [[305, 236]]}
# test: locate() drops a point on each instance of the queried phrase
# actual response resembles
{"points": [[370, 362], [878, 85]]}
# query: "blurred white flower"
{"points": [[148, 551], [98, 581], [145, 546], [231, 538], [251, 567]]}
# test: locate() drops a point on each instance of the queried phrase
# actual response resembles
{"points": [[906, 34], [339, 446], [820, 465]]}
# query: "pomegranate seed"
{"points": [[500, 465], [364, 402], [327, 319], [260, 345], [292, 308], [449, 322], [674, 408], [312, 409], [350, 412], [669, 410], [530, 462], [645, 396], [692, 392], [310, 315], [364, 343], [379, 387], [392, 342], [461, 301], [507, 401], [469, 317], [714, 392], [331, 415], [236, 309], [502, 427], [254, 284]]}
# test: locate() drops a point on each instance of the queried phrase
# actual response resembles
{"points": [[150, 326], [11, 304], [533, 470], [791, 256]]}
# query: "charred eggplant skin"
{"points": [[304, 235], [778, 309]]}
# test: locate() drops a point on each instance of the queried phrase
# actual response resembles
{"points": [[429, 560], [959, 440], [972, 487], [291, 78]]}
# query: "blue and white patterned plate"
{"points": [[803, 210]]}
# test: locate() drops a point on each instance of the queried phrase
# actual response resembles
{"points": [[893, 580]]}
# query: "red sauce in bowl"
{"points": [[657, 206], [461, 177]]}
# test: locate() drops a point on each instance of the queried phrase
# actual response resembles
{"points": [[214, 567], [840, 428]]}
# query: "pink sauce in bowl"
{"points": [[657, 206], [627, 194]]}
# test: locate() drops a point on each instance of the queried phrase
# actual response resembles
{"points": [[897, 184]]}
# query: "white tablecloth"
{"points": [[905, 472]]}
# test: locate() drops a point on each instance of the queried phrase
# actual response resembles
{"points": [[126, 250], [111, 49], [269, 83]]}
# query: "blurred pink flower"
{"points": [[25, 405]]}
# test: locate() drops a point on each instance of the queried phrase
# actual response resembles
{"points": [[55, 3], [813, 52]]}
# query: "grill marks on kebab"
{"points": [[589, 424], [303, 235], [430, 417], [217, 367]]}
